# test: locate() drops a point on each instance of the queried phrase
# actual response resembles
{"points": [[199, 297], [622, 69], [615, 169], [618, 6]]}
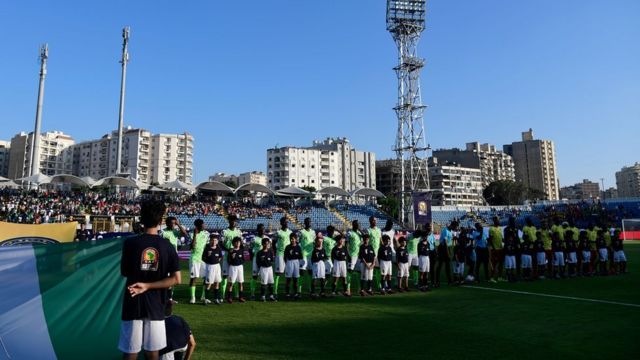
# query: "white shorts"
{"points": [[354, 264], [292, 269], [509, 262], [213, 274], [328, 265], [266, 275], [236, 274], [604, 254], [586, 256], [386, 268], [423, 264], [541, 258], [558, 258], [146, 334], [572, 258], [525, 262], [171, 355], [413, 260], [339, 269], [403, 270], [618, 256], [458, 268], [318, 270], [196, 269], [305, 263], [365, 273], [225, 265], [280, 264]]}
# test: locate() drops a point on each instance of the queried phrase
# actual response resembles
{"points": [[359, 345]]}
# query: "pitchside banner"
{"points": [[422, 208], [18, 234]]}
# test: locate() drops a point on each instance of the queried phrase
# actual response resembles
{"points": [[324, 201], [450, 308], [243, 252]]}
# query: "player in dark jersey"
{"points": [[367, 257], [385, 258], [571, 252], [541, 256], [264, 261], [603, 252], [510, 252], [402, 260], [423, 262], [619, 258], [212, 257], [557, 247], [236, 270], [526, 257], [292, 257], [340, 256], [459, 256], [584, 249], [318, 258]]}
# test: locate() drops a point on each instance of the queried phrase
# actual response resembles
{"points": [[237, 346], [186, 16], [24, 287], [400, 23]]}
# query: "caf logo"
{"points": [[28, 240]]}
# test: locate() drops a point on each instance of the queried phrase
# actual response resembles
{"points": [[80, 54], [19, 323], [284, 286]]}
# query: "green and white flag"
{"points": [[61, 301]]}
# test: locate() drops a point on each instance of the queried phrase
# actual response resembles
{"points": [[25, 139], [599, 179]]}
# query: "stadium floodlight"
{"points": [[35, 140], [406, 22], [123, 80]]}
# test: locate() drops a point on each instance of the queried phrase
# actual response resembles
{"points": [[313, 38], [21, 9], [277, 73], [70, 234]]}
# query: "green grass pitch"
{"points": [[450, 322]]}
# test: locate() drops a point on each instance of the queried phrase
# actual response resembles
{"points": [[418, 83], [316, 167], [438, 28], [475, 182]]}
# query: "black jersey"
{"points": [[264, 258], [539, 246], [570, 245], [212, 256], [600, 243], [339, 253], [616, 245], [366, 253], [292, 252], [584, 245], [236, 257], [385, 253], [459, 252], [527, 248], [510, 248], [423, 248], [556, 245], [318, 255], [402, 256]]}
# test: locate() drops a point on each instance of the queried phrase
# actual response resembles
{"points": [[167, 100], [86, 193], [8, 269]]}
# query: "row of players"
{"points": [[363, 252]]}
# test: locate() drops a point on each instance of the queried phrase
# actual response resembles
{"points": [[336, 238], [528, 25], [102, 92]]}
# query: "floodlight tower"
{"points": [[123, 81], [35, 140], [405, 22]]}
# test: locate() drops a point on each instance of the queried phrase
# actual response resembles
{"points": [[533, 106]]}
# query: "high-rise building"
{"points": [[611, 193], [628, 181], [493, 164], [151, 159], [453, 184], [332, 162], [581, 191], [52, 160], [535, 164], [5, 147]]}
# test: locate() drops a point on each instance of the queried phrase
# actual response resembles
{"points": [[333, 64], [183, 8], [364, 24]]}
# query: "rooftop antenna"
{"points": [[35, 143], [123, 80], [405, 22]]}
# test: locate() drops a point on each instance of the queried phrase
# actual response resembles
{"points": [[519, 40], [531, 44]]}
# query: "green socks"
{"points": [[252, 286], [193, 292], [275, 285], [376, 276], [223, 285]]}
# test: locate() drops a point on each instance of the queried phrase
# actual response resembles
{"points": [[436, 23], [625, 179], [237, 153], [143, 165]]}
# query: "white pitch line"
{"points": [[554, 296]]}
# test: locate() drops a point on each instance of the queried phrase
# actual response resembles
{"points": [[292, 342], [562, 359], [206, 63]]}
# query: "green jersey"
{"points": [[307, 237], [374, 239], [328, 244], [559, 230], [412, 245], [172, 235], [197, 247], [355, 240], [227, 237], [545, 236], [496, 236], [282, 240], [530, 231], [256, 246]]}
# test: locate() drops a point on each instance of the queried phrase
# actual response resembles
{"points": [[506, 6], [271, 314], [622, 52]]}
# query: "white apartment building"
{"points": [[331, 162], [52, 159], [251, 177], [628, 181], [172, 158], [5, 147], [452, 184]]}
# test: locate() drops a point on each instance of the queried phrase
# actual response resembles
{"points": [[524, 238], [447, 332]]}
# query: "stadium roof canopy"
{"points": [[156, 189], [255, 187], [334, 190], [38, 179], [367, 192], [214, 186], [177, 185], [8, 184], [68, 179], [119, 181], [89, 180], [2, 178], [293, 191]]}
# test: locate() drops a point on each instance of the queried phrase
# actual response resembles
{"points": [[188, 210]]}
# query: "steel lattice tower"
{"points": [[405, 22]]}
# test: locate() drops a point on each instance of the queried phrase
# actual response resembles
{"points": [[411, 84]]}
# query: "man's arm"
{"points": [[191, 346], [139, 288]]}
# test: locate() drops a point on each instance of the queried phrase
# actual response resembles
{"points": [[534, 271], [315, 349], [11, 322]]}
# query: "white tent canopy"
{"points": [[256, 188], [38, 179], [68, 179], [293, 191], [89, 180], [177, 185], [156, 189], [334, 190], [367, 192], [9, 184], [2, 178], [119, 181], [214, 186]]}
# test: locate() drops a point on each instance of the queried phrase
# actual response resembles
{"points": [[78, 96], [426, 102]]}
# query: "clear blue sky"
{"points": [[243, 76]]}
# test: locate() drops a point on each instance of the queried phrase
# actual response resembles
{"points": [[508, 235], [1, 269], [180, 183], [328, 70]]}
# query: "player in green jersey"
{"points": [[412, 251], [199, 240], [227, 244], [307, 238], [172, 232], [282, 240], [375, 234], [256, 247], [355, 240], [329, 242]]}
